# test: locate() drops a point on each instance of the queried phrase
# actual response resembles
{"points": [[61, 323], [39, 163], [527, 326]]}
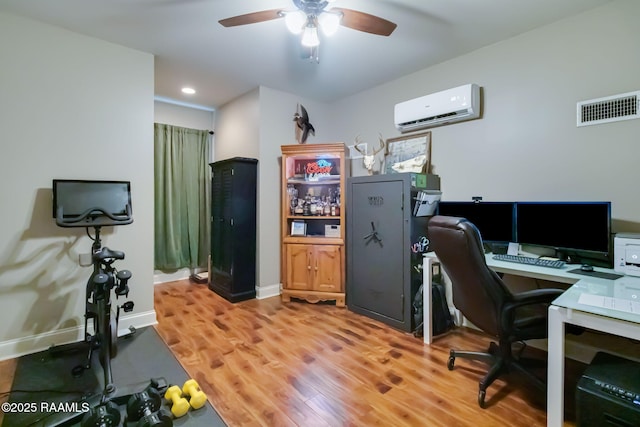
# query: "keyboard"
{"points": [[540, 262]]}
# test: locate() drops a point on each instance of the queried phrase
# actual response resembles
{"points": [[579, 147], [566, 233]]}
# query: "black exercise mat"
{"points": [[43, 380]]}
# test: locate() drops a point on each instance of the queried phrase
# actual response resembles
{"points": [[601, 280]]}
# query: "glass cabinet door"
{"points": [[312, 204]]}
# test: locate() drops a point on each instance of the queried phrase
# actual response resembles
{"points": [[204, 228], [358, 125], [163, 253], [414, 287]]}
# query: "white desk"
{"points": [[565, 309], [561, 275], [427, 330]]}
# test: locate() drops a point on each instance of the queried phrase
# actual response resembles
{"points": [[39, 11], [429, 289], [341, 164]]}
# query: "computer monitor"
{"points": [[494, 220], [576, 230], [95, 200]]}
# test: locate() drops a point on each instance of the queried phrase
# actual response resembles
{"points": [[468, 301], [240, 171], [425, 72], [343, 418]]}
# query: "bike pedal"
{"points": [[127, 306]]}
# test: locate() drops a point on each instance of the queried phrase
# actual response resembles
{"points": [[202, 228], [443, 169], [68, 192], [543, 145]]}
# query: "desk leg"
{"points": [[555, 372], [426, 298]]}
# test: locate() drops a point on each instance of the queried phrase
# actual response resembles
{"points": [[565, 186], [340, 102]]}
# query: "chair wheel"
{"points": [[450, 363], [481, 396]]}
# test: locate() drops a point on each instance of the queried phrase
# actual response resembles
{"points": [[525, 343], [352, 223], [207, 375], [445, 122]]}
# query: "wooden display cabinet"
{"points": [[313, 222]]}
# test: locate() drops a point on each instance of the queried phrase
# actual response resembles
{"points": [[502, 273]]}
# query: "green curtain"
{"points": [[182, 194]]}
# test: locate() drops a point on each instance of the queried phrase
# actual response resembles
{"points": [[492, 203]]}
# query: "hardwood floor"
{"points": [[268, 363], [7, 372]]}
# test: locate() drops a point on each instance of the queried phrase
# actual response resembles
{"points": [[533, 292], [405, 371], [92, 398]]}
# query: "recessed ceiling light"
{"points": [[188, 90]]}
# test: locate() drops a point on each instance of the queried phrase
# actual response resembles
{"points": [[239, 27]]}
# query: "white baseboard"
{"points": [[138, 320], [163, 277], [183, 273], [34, 343], [269, 291]]}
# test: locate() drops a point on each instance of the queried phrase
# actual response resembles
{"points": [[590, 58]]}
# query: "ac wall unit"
{"points": [[449, 106]]}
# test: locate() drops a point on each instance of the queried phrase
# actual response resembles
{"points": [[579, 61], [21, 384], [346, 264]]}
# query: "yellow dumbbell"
{"points": [[197, 398], [180, 405]]}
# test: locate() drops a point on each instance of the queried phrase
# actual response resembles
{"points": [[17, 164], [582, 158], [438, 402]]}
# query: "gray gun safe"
{"points": [[385, 243]]}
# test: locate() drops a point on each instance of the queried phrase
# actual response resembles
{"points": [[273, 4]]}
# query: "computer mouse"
{"points": [[586, 267]]}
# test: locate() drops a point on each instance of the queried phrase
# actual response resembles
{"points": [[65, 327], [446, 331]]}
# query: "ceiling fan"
{"points": [[313, 14]]}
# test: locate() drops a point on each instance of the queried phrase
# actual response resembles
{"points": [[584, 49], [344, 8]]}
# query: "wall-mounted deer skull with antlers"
{"points": [[369, 159]]}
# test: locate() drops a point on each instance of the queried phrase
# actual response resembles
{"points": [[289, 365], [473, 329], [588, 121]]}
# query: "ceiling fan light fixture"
{"points": [[310, 36], [295, 21], [329, 22]]}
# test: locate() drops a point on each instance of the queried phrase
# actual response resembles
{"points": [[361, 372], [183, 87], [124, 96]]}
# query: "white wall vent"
{"points": [[614, 108]]}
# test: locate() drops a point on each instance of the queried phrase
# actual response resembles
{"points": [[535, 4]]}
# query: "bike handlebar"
{"points": [[94, 217]]}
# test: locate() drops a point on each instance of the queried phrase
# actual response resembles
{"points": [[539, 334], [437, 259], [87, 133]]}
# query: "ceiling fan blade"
{"points": [[251, 18], [364, 22]]}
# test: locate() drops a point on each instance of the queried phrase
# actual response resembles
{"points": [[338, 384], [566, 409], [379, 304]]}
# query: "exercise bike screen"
{"points": [[75, 197]]}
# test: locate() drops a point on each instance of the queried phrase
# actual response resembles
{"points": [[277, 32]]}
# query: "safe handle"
{"points": [[373, 235]]}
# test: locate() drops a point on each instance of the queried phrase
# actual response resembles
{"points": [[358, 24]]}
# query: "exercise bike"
{"points": [[99, 311], [105, 279]]}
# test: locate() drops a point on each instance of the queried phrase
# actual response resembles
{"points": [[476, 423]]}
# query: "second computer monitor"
{"points": [[566, 226], [494, 220]]}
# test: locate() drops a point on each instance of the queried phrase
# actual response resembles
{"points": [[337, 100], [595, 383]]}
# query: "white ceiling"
{"points": [[191, 48]]}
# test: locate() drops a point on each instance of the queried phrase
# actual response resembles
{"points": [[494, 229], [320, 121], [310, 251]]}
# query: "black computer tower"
{"points": [[608, 393]]}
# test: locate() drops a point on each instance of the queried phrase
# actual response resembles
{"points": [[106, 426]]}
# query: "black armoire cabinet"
{"points": [[232, 269], [385, 243]]}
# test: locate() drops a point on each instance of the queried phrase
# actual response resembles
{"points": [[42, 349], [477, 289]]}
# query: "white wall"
{"points": [[278, 128], [238, 127], [186, 117], [527, 145], [256, 125], [71, 107]]}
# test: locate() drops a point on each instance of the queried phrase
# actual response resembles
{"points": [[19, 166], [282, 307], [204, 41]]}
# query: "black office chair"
{"points": [[483, 298]]}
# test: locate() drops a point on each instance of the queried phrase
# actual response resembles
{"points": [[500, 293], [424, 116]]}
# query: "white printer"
{"points": [[626, 252]]}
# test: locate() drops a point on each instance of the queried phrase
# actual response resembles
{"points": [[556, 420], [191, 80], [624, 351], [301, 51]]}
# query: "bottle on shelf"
{"points": [[293, 198], [306, 211]]}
